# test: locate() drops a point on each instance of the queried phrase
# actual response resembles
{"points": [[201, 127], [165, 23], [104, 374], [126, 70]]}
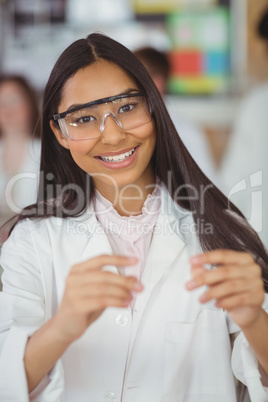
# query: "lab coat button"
{"points": [[121, 320], [110, 396]]}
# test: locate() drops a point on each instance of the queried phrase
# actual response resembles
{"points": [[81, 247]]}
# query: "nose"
{"points": [[111, 130], [102, 125]]}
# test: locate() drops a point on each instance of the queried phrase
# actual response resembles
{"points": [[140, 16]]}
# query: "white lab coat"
{"points": [[171, 349]]}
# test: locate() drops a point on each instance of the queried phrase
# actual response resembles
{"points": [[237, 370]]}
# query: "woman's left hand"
{"points": [[236, 284]]}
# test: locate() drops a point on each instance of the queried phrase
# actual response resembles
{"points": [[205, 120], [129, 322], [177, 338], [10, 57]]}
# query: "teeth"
{"points": [[117, 158]]}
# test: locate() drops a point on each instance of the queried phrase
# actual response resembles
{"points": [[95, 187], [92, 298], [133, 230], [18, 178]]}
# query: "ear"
{"points": [[58, 134]]}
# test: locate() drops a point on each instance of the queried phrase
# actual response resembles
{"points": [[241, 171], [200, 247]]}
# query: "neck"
{"points": [[129, 199]]}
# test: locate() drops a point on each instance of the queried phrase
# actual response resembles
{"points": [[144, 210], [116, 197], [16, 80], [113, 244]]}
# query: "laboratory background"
{"points": [[216, 89]]}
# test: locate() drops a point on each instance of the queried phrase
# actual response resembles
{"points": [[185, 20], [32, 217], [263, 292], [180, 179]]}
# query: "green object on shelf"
{"points": [[200, 54]]}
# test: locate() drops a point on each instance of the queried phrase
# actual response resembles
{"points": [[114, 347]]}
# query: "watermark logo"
{"points": [[249, 189]]}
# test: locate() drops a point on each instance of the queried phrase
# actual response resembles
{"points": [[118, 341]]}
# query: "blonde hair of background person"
{"points": [[19, 144], [82, 318]]}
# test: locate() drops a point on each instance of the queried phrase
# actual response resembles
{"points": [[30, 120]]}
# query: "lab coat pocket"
{"points": [[194, 361]]}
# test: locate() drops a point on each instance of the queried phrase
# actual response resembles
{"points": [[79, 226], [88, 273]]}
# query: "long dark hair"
{"points": [[172, 163], [32, 98]]}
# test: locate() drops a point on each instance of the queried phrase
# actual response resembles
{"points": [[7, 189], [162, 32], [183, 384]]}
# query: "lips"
{"points": [[123, 151], [120, 159], [117, 158]]}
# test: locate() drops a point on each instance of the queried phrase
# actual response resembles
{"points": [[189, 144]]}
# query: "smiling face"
{"points": [[117, 157]]}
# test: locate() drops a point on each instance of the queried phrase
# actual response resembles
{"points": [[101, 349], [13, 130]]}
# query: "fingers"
{"points": [[91, 302], [100, 304], [96, 277], [222, 257], [231, 288], [102, 260], [88, 283], [196, 270], [237, 274], [238, 300], [230, 265], [89, 277], [90, 290], [106, 284], [223, 273]]}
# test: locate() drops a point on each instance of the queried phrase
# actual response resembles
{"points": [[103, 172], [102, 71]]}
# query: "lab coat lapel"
{"points": [[165, 248], [97, 243], [167, 241]]}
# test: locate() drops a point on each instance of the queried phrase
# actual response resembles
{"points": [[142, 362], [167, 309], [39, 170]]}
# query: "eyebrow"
{"points": [[126, 92]]}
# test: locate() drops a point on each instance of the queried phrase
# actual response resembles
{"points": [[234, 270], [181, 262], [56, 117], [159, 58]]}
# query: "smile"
{"points": [[117, 158]]}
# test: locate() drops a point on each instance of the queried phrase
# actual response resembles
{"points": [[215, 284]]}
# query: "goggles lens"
{"points": [[128, 112]]}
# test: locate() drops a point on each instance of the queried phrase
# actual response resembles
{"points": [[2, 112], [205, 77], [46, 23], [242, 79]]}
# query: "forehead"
{"points": [[99, 80]]}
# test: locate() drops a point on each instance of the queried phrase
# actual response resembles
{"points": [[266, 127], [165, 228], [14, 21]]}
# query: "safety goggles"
{"points": [[87, 121]]}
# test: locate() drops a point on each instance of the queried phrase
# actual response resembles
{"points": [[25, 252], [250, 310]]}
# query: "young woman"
{"points": [[100, 300]]}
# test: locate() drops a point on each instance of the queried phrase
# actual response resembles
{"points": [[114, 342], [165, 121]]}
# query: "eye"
{"points": [[86, 119], [126, 108], [82, 120]]}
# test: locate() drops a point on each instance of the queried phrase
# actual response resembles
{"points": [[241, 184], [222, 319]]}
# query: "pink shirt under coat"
{"points": [[130, 235]]}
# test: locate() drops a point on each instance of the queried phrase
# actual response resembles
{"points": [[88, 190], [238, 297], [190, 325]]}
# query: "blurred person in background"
{"points": [[157, 65], [244, 171], [19, 145]]}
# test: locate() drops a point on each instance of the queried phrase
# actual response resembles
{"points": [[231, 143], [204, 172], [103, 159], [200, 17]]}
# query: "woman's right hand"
{"points": [[89, 291]]}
